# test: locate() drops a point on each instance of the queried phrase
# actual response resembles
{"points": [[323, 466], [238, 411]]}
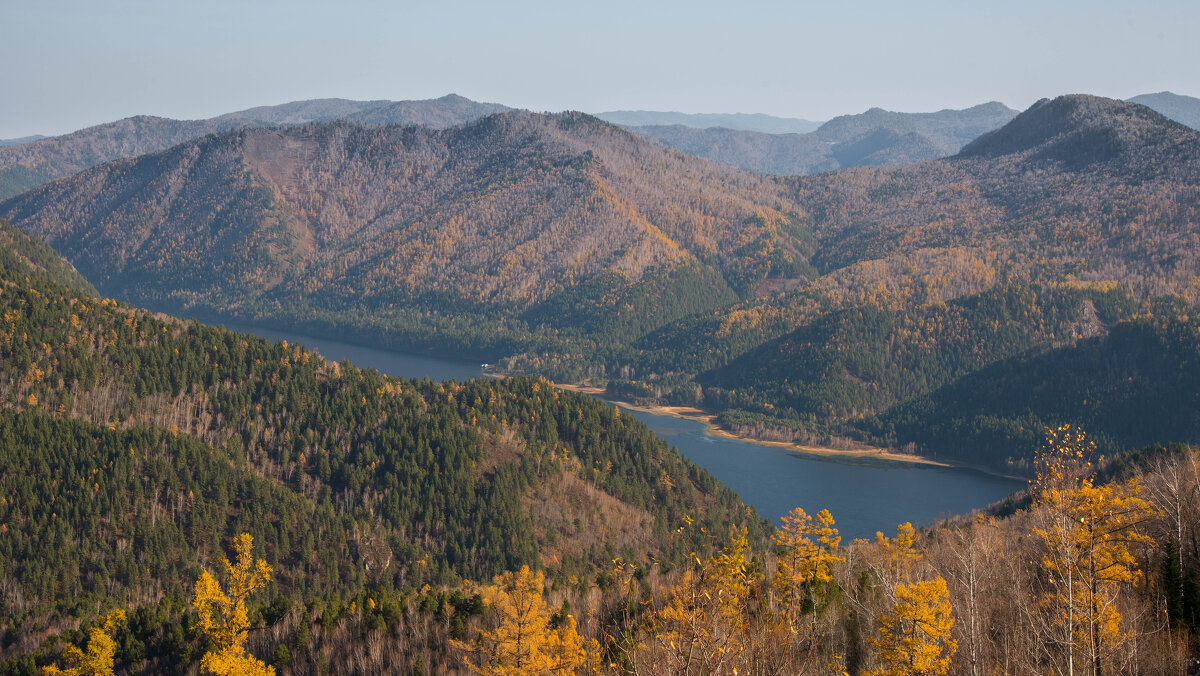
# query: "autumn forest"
{"points": [[1014, 292]]}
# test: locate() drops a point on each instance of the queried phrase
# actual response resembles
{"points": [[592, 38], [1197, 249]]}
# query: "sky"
{"points": [[71, 64]]}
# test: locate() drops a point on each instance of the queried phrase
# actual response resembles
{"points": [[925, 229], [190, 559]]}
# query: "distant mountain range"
{"points": [[439, 113], [876, 137], [759, 122], [1183, 109], [19, 141], [33, 163], [754, 142]]}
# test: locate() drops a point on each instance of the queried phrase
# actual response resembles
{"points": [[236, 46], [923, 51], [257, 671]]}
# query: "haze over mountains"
{"points": [[876, 137], [1183, 109], [31, 164], [563, 245], [767, 124], [19, 141], [754, 142]]}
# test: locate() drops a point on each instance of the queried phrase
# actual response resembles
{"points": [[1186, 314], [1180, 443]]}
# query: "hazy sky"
{"points": [[67, 65]]}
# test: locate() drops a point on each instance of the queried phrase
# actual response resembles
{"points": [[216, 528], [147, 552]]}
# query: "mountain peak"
{"points": [[1079, 130], [1183, 109]]}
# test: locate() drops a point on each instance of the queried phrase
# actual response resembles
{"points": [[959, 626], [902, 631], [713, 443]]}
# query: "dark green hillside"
{"points": [[92, 516], [134, 446], [21, 254], [1138, 384], [861, 360]]}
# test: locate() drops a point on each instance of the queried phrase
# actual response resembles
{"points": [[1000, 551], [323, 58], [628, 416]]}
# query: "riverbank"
{"points": [[709, 421]]}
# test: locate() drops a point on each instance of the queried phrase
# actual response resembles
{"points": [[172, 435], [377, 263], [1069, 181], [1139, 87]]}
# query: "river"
{"points": [[864, 495]]}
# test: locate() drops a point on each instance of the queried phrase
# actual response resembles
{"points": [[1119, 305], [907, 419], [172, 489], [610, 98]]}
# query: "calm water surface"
{"points": [[864, 496]]}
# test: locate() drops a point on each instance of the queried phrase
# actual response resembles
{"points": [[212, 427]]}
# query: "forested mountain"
{"points": [[1132, 386], [22, 255], [564, 246], [925, 279], [778, 154], [1183, 109], [541, 219], [1092, 197], [874, 138], [42, 160], [767, 124], [133, 446], [948, 129], [1064, 181], [438, 113]]}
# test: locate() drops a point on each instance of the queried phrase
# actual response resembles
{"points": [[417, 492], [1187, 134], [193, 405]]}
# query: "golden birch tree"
{"points": [[101, 648], [224, 619], [702, 627]]}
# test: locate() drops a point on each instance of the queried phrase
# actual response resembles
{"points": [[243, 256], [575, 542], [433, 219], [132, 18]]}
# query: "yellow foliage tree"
{"points": [[101, 648], [524, 643], [914, 638], [897, 557], [224, 619], [702, 628], [1088, 533], [807, 552]]}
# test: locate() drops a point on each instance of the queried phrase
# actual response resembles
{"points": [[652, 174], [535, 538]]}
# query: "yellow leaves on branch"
{"points": [[101, 648], [915, 637], [523, 642], [1064, 459], [807, 552], [224, 619], [1089, 534], [702, 627]]}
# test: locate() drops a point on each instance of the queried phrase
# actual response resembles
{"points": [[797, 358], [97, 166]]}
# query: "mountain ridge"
{"points": [[1183, 109], [873, 138], [31, 164], [507, 212]]}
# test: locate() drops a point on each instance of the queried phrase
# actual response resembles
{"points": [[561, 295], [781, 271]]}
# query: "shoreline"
{"points": [[711, 428]]}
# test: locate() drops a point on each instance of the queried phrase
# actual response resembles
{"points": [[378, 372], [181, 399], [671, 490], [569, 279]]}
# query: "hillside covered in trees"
{"points": [[133, 446], [369, 514], [804, 308], [494, 235]]}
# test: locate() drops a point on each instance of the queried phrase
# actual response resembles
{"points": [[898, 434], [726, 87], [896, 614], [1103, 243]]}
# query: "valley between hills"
{"points": [[1014, 291]]}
